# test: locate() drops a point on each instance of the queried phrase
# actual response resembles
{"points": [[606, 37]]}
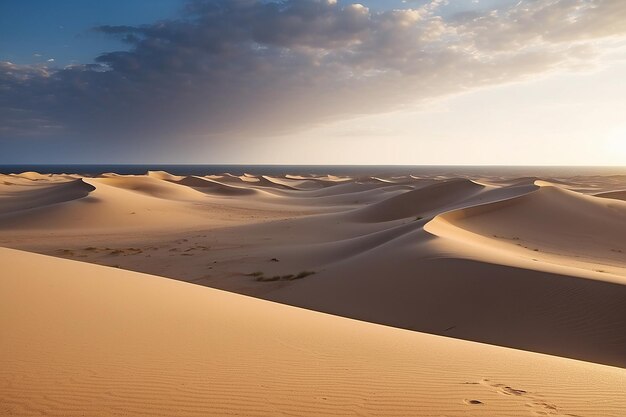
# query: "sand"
{"points": [[92, 340], [481, 278]]}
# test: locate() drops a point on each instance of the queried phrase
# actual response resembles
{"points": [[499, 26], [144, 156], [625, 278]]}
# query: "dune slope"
{"points": [[44, 195], [617, 195], [418, 202], [550, 224], [212, 186], [527, 265], [104, 342]]}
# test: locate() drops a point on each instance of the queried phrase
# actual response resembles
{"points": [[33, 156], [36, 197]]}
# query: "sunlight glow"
{"points": [[616, 142]]}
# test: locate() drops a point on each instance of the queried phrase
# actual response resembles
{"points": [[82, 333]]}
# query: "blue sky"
{"points": [[61, 30], [241, 81], [34, 31]]}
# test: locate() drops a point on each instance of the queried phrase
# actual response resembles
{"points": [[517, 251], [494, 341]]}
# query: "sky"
{"points": [[435, 82]]}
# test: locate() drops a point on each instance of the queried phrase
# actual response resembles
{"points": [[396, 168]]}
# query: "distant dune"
{"points": [[213, 186], [536, 265], [420, 201], [50, 194], [618, 195]]}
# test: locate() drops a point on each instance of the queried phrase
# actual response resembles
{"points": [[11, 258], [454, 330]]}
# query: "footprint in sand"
{"points": [[472, 402], [536, 405]]}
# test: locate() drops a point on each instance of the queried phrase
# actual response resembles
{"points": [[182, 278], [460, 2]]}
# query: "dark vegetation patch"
{"points": [[260, 276]]}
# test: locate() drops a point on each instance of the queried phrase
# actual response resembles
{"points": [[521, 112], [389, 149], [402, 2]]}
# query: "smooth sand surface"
{"points": [[618, 195], [86, 340]]}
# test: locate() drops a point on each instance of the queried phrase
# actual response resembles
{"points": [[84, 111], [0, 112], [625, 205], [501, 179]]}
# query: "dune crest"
{"points": [[214, 186], [150, 186], [163, 175], [529, 265], [571, 220], [419, 202], [33, 176], [617, 195], [45, 196]]}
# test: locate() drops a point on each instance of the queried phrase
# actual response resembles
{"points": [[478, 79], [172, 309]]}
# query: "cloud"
{"points": [[244, 68]]}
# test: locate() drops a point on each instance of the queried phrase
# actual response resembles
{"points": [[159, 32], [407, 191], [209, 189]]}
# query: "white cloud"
{"points": [[248, 68]]}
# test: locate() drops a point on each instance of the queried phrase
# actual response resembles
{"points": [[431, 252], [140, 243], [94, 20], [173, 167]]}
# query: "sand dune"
{"points": [[35, 179], [543, 271], [112, 204], [213, 186], [151, 186], [252, 181], [106, 207], [296, 184], [617, 195], [502, 284], [44, 195], [33, 176], [547, 223], [101, 341], [524, 264], [502, 305], [349, 187], [419, 202], [162, 175], [264, 181]]}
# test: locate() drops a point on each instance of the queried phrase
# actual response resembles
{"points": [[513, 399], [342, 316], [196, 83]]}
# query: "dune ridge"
{"points": [[213, 186], [618, 195], [573, 222], [420, 201], [46, 196], [530, 264]]}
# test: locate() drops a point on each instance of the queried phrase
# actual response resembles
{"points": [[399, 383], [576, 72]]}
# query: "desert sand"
{"points": [[483, 295], [82, 339]]}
